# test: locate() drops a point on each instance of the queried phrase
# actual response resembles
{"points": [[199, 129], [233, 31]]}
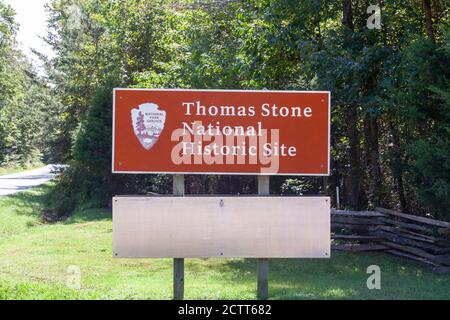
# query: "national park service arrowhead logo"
{"points": [[148, 123]]}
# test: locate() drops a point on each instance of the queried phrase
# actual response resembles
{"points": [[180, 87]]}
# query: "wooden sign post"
{"points": [[217, 132], [263, 263], [178, 263]]}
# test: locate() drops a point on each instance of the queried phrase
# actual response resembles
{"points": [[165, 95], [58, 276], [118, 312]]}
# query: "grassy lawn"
{"points": [[34, 258], [16, 169]]}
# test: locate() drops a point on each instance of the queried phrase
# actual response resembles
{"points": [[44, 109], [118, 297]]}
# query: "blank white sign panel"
{"points": [[228, 227]]}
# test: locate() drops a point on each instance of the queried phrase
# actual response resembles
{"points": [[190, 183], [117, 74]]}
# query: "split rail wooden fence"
{"points": [[421, 239]]}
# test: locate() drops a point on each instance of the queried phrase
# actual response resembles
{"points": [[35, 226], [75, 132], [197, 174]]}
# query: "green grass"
{"points": [[19, 168], [34, 258]]}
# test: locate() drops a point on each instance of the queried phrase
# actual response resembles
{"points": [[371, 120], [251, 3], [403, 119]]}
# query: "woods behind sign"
{"points": [[223, 132]]}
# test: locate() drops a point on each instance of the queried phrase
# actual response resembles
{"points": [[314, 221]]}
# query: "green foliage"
{"points": [[25, 102], [89, 174], [389, 111], [299, 187], [428, 113], [92, 145]]}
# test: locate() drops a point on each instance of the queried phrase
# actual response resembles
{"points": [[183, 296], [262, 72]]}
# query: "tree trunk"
{"points": [[429, 19], [355, 191], [398, 172], [347, 14], [373, 158], [401, 194]]}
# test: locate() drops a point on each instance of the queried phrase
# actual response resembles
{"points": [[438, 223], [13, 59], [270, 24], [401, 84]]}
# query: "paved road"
{"points": [[17, 182]]}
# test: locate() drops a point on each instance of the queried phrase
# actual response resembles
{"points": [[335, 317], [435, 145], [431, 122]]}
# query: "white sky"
{"points": [[32, 18]]}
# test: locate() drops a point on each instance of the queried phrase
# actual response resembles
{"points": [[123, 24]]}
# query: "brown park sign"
{"points": [[221, 132]]}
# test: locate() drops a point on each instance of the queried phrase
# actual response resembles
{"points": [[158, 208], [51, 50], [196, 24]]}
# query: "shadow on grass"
{"points": [[344, 276], [30, 202], [34, 201], [299, 278], [90, 215]]}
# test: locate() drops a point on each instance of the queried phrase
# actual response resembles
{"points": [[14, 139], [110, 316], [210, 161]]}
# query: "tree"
{"points": [[140, 125], [387, 85], [25, 101]]}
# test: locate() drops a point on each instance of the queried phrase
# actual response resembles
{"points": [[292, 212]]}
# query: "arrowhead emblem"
{"points": [[148, 123]]}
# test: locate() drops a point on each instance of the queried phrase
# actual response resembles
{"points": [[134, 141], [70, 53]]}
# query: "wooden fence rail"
{"points": [[421, 239]]}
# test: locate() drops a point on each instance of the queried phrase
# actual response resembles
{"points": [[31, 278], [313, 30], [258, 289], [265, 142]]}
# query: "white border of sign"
{"points": [[222, 173]]}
